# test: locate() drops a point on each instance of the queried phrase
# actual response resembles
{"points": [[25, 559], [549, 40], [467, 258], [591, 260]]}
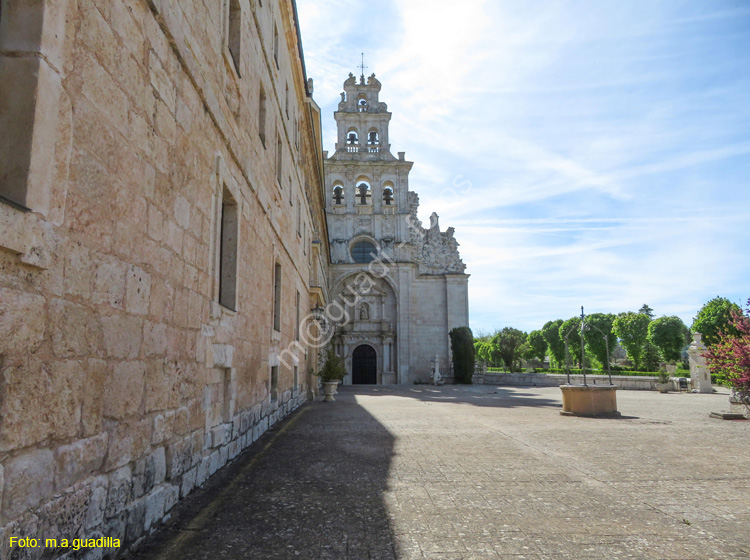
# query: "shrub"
{"points": [[333, 369], [462, 346]]}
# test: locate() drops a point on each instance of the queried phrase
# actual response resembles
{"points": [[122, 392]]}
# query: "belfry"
{"points": [[403, 287]]}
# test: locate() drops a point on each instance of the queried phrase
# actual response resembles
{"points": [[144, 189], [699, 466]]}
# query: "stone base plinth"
{"points": [[598, 401], [389, 378], [736, 406]]}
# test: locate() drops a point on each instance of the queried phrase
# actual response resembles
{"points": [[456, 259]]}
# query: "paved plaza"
{"points": [[478, 472]]}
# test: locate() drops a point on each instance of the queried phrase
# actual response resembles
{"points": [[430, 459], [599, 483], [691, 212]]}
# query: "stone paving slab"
{"points": [[478, 472]]}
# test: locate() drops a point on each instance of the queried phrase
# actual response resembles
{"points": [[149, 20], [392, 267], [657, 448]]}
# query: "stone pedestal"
{"points": [[700, 377], [737, 406], [598, 401]]}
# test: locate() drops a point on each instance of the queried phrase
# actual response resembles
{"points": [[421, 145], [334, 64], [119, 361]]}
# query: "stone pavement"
{"points": [[478, 472]]}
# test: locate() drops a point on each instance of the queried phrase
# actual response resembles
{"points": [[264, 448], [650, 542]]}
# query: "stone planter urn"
{"points": [[663, 387], [596, 401], [329, 390]]}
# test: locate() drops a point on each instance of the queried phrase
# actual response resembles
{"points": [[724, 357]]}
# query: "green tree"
{"points": [[600, 324], [551, 333], [647, 311], [632, 330], [572, 329], [483, 350], [508, 343], [668, 335], [715, 317], [462, 347], [537, 345], [651, 357]]}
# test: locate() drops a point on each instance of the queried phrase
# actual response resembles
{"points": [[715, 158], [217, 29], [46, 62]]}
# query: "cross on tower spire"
{"points": [[362, 68]]}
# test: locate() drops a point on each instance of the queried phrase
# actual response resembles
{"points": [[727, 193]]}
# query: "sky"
{"points": [[588, 153]]}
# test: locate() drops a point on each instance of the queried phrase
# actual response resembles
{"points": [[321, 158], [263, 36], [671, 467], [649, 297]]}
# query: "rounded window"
{"points": [[364, 252]]}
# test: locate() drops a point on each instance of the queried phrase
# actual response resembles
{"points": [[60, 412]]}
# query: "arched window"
{"points": [[364, 252], [372, 138], [362, 105], [352, 137], [363, 193], [338, 194], [387, 196]]}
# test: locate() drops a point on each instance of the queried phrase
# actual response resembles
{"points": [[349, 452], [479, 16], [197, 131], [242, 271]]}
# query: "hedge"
{"points": [[619, 372], [462, 347]]}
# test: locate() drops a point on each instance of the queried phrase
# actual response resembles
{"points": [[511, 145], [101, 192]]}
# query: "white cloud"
{"points": [[587, 154]]}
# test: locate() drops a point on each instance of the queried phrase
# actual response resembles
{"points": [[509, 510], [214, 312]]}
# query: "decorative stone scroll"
{"points": [[436, 252]]}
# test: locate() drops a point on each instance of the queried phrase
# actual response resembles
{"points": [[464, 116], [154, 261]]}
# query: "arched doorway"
{"points": [[364, 365]]}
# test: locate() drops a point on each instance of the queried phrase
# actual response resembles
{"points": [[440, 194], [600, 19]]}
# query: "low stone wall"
{"points": [[129, 502], [555, 380]]}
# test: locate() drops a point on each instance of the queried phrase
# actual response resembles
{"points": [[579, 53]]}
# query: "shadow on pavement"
{"points": [[311, 488], [476, 395]]}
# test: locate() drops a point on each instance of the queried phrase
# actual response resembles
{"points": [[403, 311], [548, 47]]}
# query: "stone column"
{"points": [[700, 377]]}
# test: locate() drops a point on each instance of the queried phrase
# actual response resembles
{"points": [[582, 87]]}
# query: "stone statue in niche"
{"points": [[364, 312]]}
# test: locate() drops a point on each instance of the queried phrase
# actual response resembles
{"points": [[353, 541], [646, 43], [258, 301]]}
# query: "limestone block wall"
{"points": [[169, 171], [427, 326]]}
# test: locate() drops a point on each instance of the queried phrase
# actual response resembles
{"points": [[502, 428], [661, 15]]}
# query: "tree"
{"points": [[600, 324], [647, 311], [462, 347], [508, 343], [668, 335], [729, 356], [651, 356], [483, 350], [632, 330], [551, 333], [715, 317], [537, 345], [572, 329]]}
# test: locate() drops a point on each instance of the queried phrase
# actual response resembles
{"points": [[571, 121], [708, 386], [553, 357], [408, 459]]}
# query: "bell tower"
{"points": [[362, 121]]}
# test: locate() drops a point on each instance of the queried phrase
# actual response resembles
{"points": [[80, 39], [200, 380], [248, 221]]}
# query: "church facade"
{"points": [[399, 287]]}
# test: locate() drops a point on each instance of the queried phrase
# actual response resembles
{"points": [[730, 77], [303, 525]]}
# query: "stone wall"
{"points": [[555, 380], [127, 375]]}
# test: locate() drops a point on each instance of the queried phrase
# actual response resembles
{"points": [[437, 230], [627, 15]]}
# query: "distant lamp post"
{"points": [[319, 316]]}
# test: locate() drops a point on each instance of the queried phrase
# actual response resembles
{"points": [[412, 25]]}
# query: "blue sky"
{"points": [[590, 153]]}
